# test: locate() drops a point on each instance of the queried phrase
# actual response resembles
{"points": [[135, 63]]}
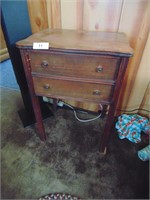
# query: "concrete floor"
{"points": [[68, 161]]}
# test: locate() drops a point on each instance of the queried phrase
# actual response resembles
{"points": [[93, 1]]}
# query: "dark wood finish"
{"points": [[75, 65], [79, 65], [34, 98], [109, 121], [68, 89], [80, 41]]}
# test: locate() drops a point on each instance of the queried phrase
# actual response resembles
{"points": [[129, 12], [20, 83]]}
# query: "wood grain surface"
{"points": [[89, 40]]}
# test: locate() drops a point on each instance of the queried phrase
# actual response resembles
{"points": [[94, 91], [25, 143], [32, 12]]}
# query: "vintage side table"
{"points": [[85, 66]]}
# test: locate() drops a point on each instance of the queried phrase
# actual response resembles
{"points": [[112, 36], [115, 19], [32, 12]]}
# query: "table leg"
{"points": [[107, 130], [38, 116], [34, 98]]}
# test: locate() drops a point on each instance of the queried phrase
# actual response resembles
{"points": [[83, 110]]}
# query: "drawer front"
{"points": [[72, 89], [75, 65]]}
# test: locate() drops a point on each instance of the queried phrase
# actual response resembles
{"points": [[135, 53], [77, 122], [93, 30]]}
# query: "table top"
{"points": [[80, 41]]}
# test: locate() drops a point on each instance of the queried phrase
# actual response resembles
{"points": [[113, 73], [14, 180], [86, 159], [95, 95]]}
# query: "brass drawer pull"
{"points": [[44, 64], [46, 86], [96, 92], [99, 68]]}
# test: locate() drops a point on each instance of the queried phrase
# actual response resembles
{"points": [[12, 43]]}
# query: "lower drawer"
{"points": [[68, 89]]}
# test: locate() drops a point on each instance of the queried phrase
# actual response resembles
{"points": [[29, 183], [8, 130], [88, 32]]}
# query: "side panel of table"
{"points": [[34, 98], [109, 122]]}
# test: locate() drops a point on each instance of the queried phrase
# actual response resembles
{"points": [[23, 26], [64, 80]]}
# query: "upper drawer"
{"points": [[75, 65]]}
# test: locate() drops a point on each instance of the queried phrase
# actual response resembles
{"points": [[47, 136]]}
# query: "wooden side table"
{"points": [[84, 66]]}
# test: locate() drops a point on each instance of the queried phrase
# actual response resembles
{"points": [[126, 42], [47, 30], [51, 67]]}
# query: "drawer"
{"points": [[69, 89], [75, 65]]}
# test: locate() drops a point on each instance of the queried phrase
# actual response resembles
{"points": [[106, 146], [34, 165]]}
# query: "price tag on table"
{"points": [[40, 45]]}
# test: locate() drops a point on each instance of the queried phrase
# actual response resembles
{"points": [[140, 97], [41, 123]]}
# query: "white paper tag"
{"points": [[40, 45]]}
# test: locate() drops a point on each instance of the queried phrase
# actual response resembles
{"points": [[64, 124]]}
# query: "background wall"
{"points": [[129, 16]]}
